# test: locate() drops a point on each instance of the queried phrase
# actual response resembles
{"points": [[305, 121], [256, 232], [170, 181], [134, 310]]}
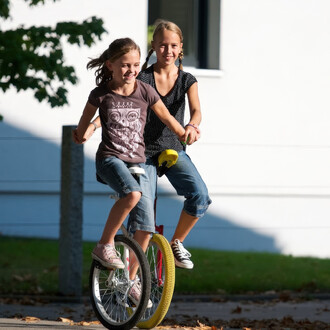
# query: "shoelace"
{"points": [[136, 286], [111, 251], [182, 250]]}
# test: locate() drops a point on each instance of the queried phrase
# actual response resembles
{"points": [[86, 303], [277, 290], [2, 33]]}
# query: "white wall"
{"points": [[266, 122], [264, 153]]}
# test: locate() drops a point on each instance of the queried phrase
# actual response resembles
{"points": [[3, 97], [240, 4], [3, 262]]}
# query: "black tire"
{"points": [[109, 288]]}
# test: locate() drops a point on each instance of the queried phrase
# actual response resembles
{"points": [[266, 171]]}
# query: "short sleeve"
{"points": [[146, 76], [152, 96], [93, 99], [148, 93], [188, 81]]}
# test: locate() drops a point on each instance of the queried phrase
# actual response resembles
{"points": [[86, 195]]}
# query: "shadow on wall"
{"points": [[214, 231], [30, 201]]}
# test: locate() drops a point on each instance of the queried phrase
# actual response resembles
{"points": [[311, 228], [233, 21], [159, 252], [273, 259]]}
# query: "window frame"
{"points": [[201, 32]]}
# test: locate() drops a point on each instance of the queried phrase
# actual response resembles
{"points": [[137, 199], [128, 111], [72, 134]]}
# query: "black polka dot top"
{"points": [[157, 135]]}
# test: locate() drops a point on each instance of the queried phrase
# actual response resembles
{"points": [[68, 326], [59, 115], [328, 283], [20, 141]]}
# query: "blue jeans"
{"points": [[187, 182], [114, 172]]}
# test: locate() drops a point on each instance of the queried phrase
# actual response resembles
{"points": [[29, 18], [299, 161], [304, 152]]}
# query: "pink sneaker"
{"points": [[135, 293], [108, 256]]}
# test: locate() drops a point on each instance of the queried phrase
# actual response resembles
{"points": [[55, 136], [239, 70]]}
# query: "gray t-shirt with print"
{"points": [[123, 119]]}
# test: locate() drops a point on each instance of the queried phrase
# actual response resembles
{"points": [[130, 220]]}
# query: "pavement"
{"points": [[186, 312]]}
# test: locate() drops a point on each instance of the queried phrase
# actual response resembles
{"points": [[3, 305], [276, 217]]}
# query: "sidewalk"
{"points": [[185, 312]]}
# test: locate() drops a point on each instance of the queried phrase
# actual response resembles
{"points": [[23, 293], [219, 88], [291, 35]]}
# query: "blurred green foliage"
{"points": [[32, 57]]}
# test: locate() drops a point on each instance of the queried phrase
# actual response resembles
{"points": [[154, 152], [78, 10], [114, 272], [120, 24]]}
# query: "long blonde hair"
{"points": [[162, 25], [116, 49]]}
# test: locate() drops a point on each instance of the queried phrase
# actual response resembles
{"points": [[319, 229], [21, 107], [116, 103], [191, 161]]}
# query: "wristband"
{"points": [[192, 125], [95, 126]]}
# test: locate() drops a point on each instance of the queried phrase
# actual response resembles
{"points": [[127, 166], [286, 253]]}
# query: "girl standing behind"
{"points": [[172, 85]]}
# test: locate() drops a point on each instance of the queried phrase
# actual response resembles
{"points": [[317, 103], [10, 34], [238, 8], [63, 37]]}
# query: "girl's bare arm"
{"points": [[192, 129], [164, 115], [80, 134]]}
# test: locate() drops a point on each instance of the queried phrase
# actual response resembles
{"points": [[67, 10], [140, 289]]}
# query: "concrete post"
{"points": [[70, 242]]}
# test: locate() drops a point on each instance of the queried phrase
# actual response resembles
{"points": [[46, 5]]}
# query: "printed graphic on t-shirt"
{"points": [[125, 128]]}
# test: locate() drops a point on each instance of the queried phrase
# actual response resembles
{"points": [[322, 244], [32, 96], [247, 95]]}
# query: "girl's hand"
{"points": [[75, 137], [192, 134], [89, 132]]}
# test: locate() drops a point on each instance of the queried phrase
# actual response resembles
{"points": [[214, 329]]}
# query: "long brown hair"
{"points": [[161, 26], [116, 49]]}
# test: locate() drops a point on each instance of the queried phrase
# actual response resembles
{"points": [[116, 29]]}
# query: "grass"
{"points": [[246, 272], [30, 266]]}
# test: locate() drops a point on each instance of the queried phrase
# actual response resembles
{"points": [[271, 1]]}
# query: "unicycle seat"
{"points": [[136, 169], [166, 159]]}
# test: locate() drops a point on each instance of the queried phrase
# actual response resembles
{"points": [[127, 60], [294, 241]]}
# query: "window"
{"points": [[199, 21]]}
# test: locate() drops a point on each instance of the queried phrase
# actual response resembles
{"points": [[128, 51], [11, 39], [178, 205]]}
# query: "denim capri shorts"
{"points": [[115, 173], [187, 182]]}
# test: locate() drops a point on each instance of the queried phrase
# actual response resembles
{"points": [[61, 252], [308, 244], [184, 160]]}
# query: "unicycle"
{"points": [[110, 288], [161, 261]]}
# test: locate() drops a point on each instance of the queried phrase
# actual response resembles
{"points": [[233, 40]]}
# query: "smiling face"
{"points": [[167, 45], [126, 68]]}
